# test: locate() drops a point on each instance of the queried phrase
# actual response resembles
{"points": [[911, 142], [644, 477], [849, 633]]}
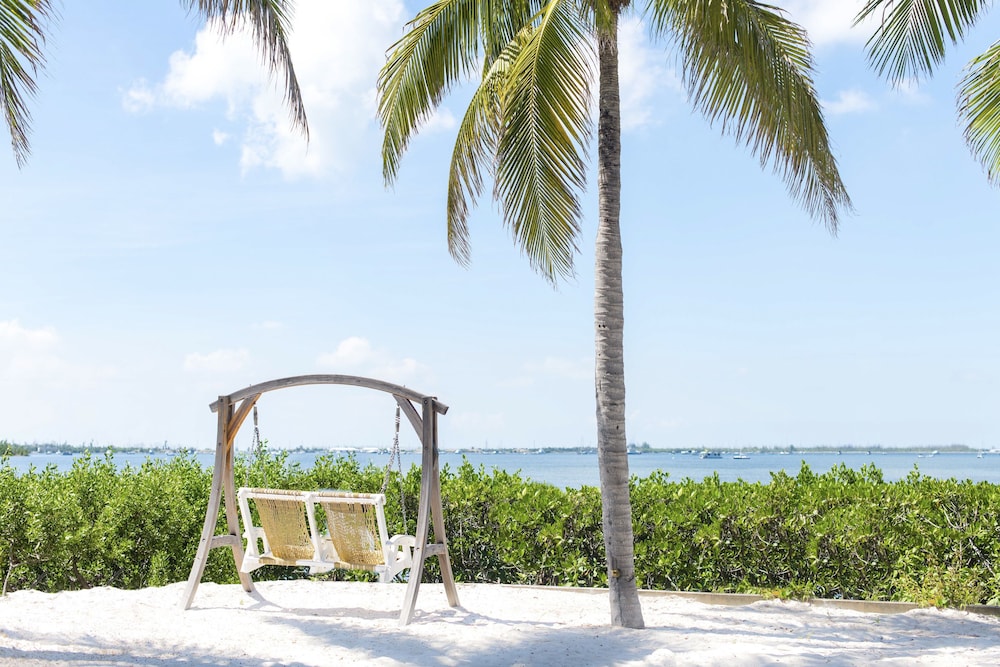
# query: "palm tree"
{"points": [[746, 67], [24, 26], [910, 41]]}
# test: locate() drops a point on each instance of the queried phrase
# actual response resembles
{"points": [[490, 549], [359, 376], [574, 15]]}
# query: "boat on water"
{"points": [[708, 454], [741, 456]]}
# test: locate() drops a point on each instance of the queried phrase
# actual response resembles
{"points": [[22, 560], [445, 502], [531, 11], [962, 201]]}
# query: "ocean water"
{"points": [[573, 470]]}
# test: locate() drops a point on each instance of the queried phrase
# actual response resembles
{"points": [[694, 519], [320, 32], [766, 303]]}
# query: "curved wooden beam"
{"points": [[348, 380]]}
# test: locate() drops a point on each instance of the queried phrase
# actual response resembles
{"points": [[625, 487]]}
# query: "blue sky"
{"points": [[170, 240]]}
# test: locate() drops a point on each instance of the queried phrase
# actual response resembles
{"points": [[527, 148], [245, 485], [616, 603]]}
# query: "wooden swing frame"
{"points": [[233, 410]]}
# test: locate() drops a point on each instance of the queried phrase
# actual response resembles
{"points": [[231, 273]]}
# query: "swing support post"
{"points": [[233, 411]]}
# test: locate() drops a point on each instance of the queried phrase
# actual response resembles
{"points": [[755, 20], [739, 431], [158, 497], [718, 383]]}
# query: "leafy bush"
{"points": [[845, 533]]}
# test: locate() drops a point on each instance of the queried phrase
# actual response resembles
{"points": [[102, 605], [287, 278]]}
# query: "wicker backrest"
{"points": [[353, 528], [285, 524]]}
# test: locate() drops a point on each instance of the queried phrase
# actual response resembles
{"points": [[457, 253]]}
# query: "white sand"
{"points": [[309, 623]]}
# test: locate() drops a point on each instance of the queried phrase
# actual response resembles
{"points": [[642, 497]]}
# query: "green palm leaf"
{"points": [[475, 148], [440, 48], [22, 35], [912, 35], [979, 107], [501, 21], [540, 158], [747, 67]]}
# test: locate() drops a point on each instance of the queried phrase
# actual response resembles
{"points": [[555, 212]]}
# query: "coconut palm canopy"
{"points": [[747, 67]]}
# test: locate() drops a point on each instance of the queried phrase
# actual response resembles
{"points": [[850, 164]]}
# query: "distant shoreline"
{"points": [[12, 449]]}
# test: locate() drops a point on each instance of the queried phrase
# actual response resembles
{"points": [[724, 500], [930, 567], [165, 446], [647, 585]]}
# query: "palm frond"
{"points": [[475, 149], [546, 126], [912, 35], [979, 107], [748, 68], [500, 23], [269, 23], [22, 36], [438, 49]]}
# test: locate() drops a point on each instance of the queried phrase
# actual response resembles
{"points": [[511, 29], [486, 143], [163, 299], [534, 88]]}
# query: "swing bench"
{"points": [[291, 533], [324, 530]]}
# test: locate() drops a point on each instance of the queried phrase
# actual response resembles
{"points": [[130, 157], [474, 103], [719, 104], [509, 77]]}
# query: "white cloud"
{"points": [[828, 21], [219, 361], [642, 74], [13, 336], [356, 354], [337, 48], [139, 98], [351, 353], [849, 101], [219, 137], [441, 120], [29, 354]]}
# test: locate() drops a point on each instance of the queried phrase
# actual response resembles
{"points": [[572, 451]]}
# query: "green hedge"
{"points": [[844, 533]]}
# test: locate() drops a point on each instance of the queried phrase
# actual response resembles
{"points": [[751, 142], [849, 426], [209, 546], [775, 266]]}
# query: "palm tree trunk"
{"points": [[609, 322]]}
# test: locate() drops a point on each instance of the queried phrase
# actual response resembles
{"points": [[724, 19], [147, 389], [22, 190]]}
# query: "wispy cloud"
{"points": [[909, 92], [578, 369], [14, 336], [219, 361], [34, 355], [482, 423], [849, 101]]}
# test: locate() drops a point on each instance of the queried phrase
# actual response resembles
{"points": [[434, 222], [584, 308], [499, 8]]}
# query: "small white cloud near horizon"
{"points": [[849, 101], [219, 361], [27, 354], [31, 359], [357, 354], [481, 423]]}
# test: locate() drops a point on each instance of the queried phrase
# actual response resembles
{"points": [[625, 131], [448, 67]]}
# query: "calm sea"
{"points": [[573, 470]]}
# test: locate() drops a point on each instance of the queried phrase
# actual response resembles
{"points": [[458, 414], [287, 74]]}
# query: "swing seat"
{"points": [[347, 532]]}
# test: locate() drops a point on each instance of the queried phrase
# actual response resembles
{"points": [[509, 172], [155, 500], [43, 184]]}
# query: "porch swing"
{"points": [[356, 535], [291, 530]]}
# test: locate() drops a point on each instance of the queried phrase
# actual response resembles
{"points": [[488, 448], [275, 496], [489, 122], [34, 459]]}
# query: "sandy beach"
{"points": [[312, 623]]}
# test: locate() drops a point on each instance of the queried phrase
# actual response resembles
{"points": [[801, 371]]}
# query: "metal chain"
{"points": [[395, 455], [256, 451]]}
